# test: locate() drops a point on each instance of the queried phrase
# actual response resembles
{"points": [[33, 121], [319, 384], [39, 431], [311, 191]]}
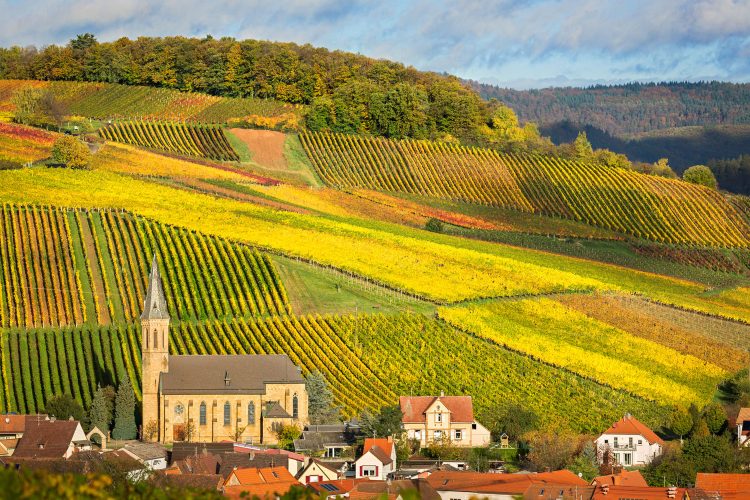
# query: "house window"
{"points": [[438, 417], [627, 459], [615, 442], [368, 471], [630, 442], [227, 413], [438, 435], [457, 435], [202, 415], [640, 442], [250, 413], [295, 406], [474, 426], [418, 435]]}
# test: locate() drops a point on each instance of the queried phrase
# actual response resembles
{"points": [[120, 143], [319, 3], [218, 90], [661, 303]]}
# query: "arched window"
{"points": [[295, 406], [227, 414], [156, 340], [145, 335], [203, 413], [250, 413]]}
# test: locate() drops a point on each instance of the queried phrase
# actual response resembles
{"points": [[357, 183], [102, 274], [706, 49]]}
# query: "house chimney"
{"points": [[442, 394], [671, 492], [605, 489]]}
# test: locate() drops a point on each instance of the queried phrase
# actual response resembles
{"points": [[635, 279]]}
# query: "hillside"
{"points": [[314, 245], [625, 110]]}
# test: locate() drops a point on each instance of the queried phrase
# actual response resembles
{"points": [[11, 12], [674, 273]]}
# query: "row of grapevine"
{"points": [[722, 260], [40, 363], [644, 206], [367, 359], [110, 100], [67, 267], [181, 138]]}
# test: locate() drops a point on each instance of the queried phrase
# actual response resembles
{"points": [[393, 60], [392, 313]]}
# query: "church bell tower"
{"points": [[154, 351]]}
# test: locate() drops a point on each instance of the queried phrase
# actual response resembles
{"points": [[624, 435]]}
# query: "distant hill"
{"points": [[624, 110]]}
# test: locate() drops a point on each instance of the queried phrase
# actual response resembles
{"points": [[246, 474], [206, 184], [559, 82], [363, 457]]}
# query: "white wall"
{"points": [[368, 459], [641, 454]]}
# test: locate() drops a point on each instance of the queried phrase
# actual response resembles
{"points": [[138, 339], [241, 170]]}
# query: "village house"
{"points": [[742, 426], [378, 459], [263, 483], [45, 437], [212, 398], [152, 455], [467, 485], [317, 471], [330, 440], [435, 418], [630, 442], [11, 430]]}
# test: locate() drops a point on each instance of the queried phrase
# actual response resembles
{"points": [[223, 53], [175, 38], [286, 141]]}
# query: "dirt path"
{"points": [[266, 146]]}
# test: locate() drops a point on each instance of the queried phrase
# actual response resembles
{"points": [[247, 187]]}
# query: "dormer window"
{"points": [[438, 417]]}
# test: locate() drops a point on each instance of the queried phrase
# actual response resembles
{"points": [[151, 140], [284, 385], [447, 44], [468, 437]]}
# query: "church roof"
{"points": [[228, 374], [155, 304]]}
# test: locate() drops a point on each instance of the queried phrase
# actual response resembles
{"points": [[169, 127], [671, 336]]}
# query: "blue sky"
{"points": [[529, 43]]}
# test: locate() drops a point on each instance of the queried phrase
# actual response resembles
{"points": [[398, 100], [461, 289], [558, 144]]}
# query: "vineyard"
{"points": [[553, 333], [21, 144], [69, 267], [640, 205], [371, 358], [110, 100], [180, 138]]}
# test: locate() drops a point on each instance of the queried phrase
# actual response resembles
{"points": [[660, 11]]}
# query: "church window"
{"points": [[251, 413], [227, 413], [203, 413], [156, 340], [179, 409], [295, 406]]}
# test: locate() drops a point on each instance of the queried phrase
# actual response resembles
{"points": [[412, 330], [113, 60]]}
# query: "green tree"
{"points": [[321, 405], [582, 149], [586, 463], [71, 152], [701, 175], [680, 423], [383, 424], [125, 427], [63, 406], [701, 429], [434, 225], [286, 434], [710, 454], [102, 409], [715, 417], [513, 420]]}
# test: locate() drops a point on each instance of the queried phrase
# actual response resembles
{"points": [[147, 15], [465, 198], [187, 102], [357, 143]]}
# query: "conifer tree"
{"points": [[100, 412], [125, 427], [321, 409]]}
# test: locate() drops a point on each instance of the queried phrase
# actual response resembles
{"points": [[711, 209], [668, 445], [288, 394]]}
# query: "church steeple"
{"points": [[155, 305]]}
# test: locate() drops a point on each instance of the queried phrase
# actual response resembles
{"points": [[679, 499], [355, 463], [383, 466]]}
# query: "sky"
{"points": [[520, 44]]}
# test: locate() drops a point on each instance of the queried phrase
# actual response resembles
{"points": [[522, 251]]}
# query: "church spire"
{"points": [[155, 305]]}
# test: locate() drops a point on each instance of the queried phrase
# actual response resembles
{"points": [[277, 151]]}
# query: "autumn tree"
{"points": [[71, 152], [701, 175]]}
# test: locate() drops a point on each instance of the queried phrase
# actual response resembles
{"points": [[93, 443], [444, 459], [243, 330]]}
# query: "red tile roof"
{"points": [[46, 439], [631, 425], [639, 492], [624, 478], [510, 484], [254, 476], [14, 424], [385, 444], [259, 490], [744, 414], [371, 489], [414, 407], [736, 485]]}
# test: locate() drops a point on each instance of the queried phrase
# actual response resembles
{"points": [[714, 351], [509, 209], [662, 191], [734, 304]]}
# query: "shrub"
{"points": [[701, 175], [434, 225], [71, 152]]}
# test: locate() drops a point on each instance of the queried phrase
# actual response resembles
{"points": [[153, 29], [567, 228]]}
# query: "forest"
{"points": [[624, 110], [345, 92]]}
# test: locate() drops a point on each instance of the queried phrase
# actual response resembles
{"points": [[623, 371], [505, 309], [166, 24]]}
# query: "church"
{"points": [[206, 398]]}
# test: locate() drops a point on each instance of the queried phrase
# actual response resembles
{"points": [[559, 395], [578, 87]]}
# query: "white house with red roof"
{"points": [[378, 459], [630, 441], [436, 418], [742, 422]]}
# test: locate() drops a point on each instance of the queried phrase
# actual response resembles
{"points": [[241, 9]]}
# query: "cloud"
{"points": [[581, 40]]}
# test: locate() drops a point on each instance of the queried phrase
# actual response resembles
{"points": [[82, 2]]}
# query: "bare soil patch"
{"points": [[266, 146]]}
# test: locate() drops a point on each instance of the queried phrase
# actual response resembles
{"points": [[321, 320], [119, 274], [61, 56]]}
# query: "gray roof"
{"points": [[275, 410], [146, 451], [246, 374], [155, 304]]}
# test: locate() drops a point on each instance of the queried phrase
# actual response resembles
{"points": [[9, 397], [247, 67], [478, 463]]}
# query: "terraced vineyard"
{"points": [[111, 100], [553, 333], [68, 267], [181, 138], [644, 206], [371, 358]]}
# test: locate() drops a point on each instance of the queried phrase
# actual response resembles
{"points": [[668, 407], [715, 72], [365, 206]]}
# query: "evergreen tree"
{"points": [[125, 427], [100, 412], [586, 462], [715, 417], [320, 407]]}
